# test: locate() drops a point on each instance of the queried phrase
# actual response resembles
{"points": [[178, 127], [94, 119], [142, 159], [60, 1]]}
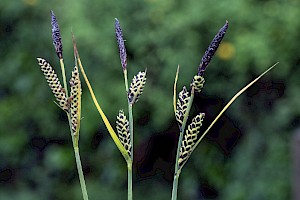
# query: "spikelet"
{"points": [[212, 48], [197, 83], [182, 103], [190, 138], [121, 45], [136, 87], [56, 36], [75, 101], [54, 83], [123, 131]]}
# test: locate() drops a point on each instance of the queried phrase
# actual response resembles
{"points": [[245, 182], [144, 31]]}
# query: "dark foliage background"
{"points": [[245, 156]]}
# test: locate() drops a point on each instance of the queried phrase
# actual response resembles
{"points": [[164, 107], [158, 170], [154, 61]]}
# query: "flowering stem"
{"points": [[129, 169], [80, 173], [131, 128], [63, 72], [74, 141], [129, 164], [175, 185]]}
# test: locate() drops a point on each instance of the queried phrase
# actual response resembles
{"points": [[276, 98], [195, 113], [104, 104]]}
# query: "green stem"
{"points": [[130, 114], [177, 171], [80, 173], [129, 164], [131, 128], [129, 167], [74, 140], [175, 185], [126, 80], [63, 72], [131, 156]]}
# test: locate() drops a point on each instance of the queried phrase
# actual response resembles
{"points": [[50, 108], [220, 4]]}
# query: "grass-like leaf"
{"points": [[102, 114], [175, 90], [225, 108]]}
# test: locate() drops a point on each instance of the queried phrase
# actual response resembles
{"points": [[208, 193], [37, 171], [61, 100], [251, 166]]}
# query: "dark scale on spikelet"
{"points": [[75, 100], [197, 83], [56, 36], [123, 131], [54, 83], [212, 48], [190, 138], [136, 87], [182, 103], [121, 45]]}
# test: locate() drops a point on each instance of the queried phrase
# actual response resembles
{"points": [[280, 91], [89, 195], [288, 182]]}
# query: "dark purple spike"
{"points": [[212, 48], [56, 36], [120, 40]]}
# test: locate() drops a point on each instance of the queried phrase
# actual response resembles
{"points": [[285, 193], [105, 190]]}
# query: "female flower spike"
{"points": [[120, 40], [56, 36], [75, 99], [136, 87], [54, 83], [181, 106], [198, 83], [123, 131], [190, 139], [212, 48]]}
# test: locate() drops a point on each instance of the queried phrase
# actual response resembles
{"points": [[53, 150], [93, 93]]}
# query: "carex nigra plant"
{"points": [[70, 103], [124, 136], [190, 137]]}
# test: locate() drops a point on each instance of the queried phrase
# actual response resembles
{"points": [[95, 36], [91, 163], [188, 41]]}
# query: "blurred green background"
{"points": [[245, 156]]}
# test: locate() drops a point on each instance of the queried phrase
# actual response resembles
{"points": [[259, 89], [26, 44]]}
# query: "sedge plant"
{"points": [[190, 137], [69, 103], [124, 136]]}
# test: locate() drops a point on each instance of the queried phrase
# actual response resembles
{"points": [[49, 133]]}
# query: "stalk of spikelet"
{"points": [[190, 138], [75, 101], [123, 131], [54, 83], [181, 106], [136, 87]]}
